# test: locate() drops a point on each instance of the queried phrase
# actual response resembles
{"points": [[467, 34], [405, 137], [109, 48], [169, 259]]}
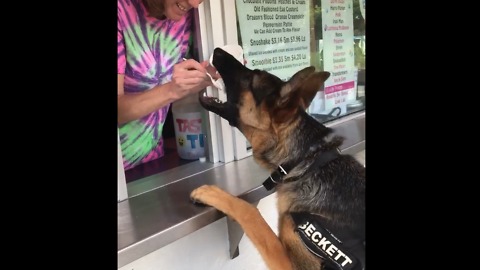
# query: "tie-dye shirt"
{"points": [[147, 50]]}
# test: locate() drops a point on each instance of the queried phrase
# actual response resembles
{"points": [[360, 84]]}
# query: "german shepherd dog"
{"points": [[321, 192]]}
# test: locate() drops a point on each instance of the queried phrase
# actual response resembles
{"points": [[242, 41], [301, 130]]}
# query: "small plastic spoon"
{"points": [[217, 83]]}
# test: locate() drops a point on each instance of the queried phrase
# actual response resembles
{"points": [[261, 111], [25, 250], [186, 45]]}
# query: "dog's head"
{"points": [[258, 101]]}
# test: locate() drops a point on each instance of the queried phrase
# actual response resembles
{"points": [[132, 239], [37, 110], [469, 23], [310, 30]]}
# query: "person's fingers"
{"points": [[205, 64], [190, 82], [187, 83], [190, 76], [192, 64], [182, 74], [213, 72]]}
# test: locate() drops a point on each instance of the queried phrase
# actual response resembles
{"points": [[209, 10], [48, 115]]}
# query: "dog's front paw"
{"points": [[207, 194], [195, 196]]}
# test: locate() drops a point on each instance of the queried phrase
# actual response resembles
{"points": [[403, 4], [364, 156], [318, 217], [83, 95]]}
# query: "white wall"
{"points": [[122, 183], [208, 248]]}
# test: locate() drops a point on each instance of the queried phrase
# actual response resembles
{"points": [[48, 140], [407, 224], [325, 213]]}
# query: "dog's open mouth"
{"points": [[211, 101], [225, 109], [231, 71]]}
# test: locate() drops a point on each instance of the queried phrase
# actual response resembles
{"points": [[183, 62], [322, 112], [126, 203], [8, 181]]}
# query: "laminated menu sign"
{"points": [[275, 35], [338, 56]]}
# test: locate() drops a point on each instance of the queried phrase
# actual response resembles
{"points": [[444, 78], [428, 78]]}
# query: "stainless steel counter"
{"points": [[150, 220], [154, 219]]}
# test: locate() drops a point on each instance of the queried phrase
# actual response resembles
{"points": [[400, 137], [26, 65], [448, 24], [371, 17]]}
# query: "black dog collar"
{"points": [[277, 176]]}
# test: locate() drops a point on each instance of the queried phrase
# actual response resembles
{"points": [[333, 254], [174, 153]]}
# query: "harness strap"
{"points": [[277, 176]]}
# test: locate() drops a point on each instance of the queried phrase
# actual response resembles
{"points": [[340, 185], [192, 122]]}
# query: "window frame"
{"points": [[220, 136], [214, 27]]}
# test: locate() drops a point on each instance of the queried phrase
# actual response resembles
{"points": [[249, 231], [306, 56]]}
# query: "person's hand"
{"points": [[189, 77]]}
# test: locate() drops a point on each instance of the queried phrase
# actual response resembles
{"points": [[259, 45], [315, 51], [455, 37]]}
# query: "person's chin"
{"points": [[173, 15]]}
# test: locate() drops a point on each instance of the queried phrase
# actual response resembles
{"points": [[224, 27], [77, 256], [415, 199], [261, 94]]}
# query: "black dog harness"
{"points": [[277, 176], [340, 248]]}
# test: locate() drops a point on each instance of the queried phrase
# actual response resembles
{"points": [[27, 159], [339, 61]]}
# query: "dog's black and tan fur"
{"points": [[271, 114]]}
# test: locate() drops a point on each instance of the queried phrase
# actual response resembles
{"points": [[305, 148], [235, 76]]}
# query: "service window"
{"points": [[284, 36], [187, 129]]}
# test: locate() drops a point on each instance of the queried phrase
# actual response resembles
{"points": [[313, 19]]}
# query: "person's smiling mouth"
{"points": [[181, 7]]}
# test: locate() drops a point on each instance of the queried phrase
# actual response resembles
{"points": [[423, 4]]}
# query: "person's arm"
{"points": [[188, 77]]}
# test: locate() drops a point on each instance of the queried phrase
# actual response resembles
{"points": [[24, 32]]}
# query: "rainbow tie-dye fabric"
{"points": [[148, 49]]}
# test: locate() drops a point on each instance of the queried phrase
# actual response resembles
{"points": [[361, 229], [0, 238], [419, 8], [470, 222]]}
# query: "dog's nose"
{"points": [[217, 54], [218, 51]]}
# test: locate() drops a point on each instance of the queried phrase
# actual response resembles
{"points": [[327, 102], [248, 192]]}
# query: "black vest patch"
{"points": [[325, 244]]}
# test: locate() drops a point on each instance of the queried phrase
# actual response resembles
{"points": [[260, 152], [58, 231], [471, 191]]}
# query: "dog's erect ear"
{"points": [[299, 91], [300, 76], [302, 87], [310, 86], [296, 80]]}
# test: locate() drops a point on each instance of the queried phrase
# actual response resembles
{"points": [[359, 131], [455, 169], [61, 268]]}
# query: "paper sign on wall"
{"points": [[338, 57], [275, 35]]}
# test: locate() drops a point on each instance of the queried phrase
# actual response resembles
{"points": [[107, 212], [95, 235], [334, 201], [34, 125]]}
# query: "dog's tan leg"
{"points": [[251, 221]]}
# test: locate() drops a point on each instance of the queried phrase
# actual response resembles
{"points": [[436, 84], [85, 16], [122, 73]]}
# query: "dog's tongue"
{"points": [[237, 52]]}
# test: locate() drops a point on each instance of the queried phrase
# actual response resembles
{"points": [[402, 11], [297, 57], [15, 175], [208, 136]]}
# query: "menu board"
{"points": [[338, 57], [275, 35]]}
